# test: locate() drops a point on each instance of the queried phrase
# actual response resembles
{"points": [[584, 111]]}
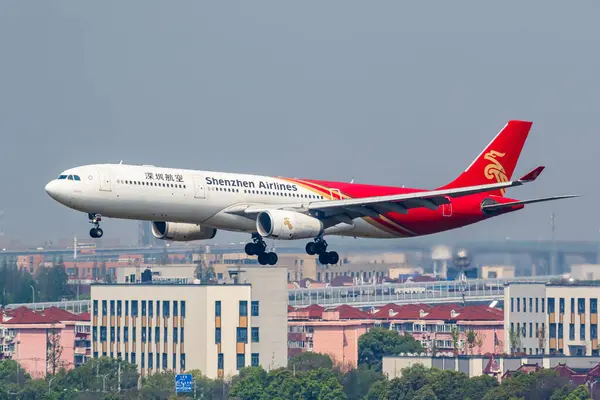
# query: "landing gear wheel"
{"points": [[333, 257], [311, 248], [249, 248], [324, 258], [95, 219], [272, 258], [263, 258]]}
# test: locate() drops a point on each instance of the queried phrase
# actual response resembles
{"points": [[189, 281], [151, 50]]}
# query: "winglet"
{"points": [[532, 175]]}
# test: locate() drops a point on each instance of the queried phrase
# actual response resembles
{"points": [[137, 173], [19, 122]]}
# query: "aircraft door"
{"points": [[199, 188], [335, 194], [105, 181], [447, 210]]}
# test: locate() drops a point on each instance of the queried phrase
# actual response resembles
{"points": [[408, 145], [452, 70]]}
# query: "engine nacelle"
{"points": [[287, 225], [181, 232]]}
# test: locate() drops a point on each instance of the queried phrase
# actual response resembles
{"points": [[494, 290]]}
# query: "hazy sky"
{"points": [[388, 92]]}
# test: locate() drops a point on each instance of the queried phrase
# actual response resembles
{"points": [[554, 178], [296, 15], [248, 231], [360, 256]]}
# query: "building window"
{"points": [[560, 331], [157, 360], [127, 308], [220, 361], [537, 305], [104, 310], [150, 361], [182, 360], [166, 312], [243, 308], [512, 304], [174, 366], [165, 334], [118, 334], [150, 314], [112, 308], [134, 308], [581, 306], [524, 304], [157, 334], [594, 306], [181, 334], [217, 308], [552, 331], [175, 309], [531, 329], [143, 334], [143, 308], [550, 305], [561, 305], [119, 308], [242, 335], [240, 361], [112, 334], [175, 334], [134, 336], [183, 313], [164, 360], [255, 360], [255, 308], [126, 334], [255, 335], [582, 332], [594, 331], [149, 334], [133, 358], [518, 304], [217, 335], [103, 334], [143, 361], [512, 327], [96, 307], [571, 331], [531, 304], [158, 315], [543, 306], [572, 304]]}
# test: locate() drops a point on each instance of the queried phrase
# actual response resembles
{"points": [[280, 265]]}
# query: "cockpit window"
{"points": [[76, 177], [70, 177], [62, 177]]}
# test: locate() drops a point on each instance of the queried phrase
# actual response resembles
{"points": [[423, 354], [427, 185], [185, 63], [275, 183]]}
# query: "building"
{"points": [[43, 342], [551, 318], [169, 272], [228, 326], [580, 369], [335, 331], [145, 236]]}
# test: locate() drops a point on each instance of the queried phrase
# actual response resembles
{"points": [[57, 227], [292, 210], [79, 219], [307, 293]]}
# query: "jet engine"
{"points": [[181, 232], [287, 225]]}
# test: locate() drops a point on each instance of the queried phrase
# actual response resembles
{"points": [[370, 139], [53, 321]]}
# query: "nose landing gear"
{"points": [[319, 246], [95, 219], [258, 247]]}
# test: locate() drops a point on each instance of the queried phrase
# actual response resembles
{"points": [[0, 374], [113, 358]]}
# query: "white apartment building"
{"points": [[547, 318], [217, 329]]}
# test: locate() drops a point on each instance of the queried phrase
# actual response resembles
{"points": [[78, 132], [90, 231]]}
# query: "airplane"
{"points": [[188, 205]]}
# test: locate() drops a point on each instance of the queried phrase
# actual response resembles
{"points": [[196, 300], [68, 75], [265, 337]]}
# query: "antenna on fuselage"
{"points": [[352, 181], [121, 162]]}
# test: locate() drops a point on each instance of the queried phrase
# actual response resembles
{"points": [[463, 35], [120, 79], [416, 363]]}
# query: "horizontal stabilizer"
{"points": [[499, 206]]}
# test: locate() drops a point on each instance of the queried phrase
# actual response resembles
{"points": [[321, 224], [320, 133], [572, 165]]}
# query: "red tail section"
{"points": [[498, 160]]}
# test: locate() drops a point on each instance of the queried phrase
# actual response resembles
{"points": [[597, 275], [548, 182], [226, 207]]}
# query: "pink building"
{"points": [[336, 331], [45, 341]]}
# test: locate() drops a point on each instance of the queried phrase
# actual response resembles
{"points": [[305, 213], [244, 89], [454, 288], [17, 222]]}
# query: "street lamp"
{"points": [[462, 262], [33, 292]]}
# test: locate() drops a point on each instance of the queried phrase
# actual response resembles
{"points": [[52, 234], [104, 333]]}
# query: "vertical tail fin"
{"points": [[497, 162]]}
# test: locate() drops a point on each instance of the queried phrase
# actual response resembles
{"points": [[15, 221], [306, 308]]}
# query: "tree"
{"points": [[471, 339], [358, 382], [515, 341], [541, 337], [479, 340], [455, 338], [54, 350], [580, 393], [379, 391], [379, 342], [309, 361]]}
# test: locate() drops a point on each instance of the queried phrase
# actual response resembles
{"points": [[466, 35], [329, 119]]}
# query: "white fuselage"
{"points": [[179, 195]]}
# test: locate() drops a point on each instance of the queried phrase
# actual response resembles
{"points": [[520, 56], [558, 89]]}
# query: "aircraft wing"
{"points": [[376, 205], [499, 206]]}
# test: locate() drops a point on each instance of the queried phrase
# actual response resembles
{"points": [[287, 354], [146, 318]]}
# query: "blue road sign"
{"points": [[183, 383]]}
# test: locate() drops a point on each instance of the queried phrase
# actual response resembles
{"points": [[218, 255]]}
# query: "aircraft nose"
{"points": [[52, 189]]}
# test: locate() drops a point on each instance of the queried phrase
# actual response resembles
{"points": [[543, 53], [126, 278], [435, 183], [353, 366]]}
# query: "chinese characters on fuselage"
{"points": [[155, 176]]}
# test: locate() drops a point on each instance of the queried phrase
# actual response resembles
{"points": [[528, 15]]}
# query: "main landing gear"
{"points": [[258, 247], [319, 246], [95, 219]]}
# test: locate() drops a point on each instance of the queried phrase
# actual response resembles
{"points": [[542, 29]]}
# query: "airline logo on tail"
{"points": [[495, 170], [286, 222]]}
